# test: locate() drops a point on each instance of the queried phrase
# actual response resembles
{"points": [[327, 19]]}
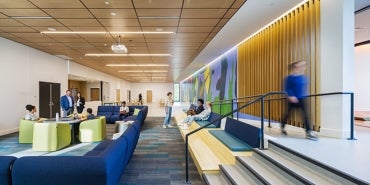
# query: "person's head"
{"points": [[169, 94], [68, 92], [209, 105], [298, 67], [78, 94], [123, 103], [200, 101], [89, 110], [31, 108]]}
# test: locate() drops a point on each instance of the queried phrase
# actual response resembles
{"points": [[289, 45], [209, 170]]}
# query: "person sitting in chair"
{"points": [[31, 113], [90, 115], [123, 111]]}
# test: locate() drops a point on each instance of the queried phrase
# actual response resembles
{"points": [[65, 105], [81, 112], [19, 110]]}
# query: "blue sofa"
{"points": [[213, 117], [6, 163], [103, 165], [112, 112], [238, 136]]}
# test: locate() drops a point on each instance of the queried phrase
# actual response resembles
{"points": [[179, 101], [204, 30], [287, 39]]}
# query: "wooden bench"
{"points": [[206, 150]]}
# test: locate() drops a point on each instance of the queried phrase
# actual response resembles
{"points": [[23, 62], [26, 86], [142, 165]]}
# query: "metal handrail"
{"points": [[261, 98]]}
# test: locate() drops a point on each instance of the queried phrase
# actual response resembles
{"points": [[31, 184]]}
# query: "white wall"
{"points": [[111, 84], [159, 90], [21, 70], [362, 69]]}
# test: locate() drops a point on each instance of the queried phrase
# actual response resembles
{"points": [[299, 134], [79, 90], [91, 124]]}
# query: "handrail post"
{"points": [[352, 117], [269, 113], [187, 160], [237, 112], [232, 108], [262, 124]]}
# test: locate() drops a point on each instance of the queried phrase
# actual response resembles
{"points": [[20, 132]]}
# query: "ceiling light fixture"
{"points": [[137, 65], [159, 17], [127, 55], [145, 71], [31, 17], [105, 32]]}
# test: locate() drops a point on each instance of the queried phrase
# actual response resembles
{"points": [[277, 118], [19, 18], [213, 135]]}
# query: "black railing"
{"points": [[261, 99]]}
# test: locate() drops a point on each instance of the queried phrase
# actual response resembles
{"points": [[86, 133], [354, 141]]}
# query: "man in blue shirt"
{"points": [[295, 87], [66, 102]]}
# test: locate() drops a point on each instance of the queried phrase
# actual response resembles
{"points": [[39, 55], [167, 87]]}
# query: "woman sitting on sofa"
{"points": [[31, 113], [204, 115]]}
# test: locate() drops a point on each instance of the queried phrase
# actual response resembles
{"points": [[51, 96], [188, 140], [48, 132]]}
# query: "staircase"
{"points": [[278, 165]]}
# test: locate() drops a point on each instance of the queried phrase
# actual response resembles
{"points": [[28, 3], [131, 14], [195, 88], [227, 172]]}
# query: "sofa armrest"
{"points": [[59, 170]]}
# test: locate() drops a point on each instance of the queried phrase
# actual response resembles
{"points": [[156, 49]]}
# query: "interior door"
{"points": [[49, 99], [94, 94], [149, 96]]}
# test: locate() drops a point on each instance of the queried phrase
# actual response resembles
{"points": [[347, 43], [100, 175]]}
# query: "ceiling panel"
{"points": [[119, 22], [114, 13], [157, 3], [208, 4], [15, 4], [193, 23], [69, 13], [57, 4], [203, 13], [198, 22], [22, 12], [110, 4], [79, 22], [158, 12]]}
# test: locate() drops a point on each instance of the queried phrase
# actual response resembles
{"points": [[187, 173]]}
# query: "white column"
{"points": [[336, 66]]}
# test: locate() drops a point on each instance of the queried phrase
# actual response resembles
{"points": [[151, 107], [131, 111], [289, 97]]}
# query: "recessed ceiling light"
{"points": [[104, 32], [159, 29], [137, 65], [128, 55], [52, 29], [107, 3], [113, 14], [145, 71]]}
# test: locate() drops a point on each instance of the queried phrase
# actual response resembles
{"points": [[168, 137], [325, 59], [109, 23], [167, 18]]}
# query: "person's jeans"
{"points": [[168, 116], [67, 112], [301, 105]]}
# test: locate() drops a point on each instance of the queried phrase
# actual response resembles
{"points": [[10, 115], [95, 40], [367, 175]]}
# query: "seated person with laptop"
{"points": [[198, 109]]}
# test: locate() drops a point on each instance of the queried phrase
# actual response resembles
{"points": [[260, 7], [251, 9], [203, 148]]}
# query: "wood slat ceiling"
{"points": [[195, 23]]}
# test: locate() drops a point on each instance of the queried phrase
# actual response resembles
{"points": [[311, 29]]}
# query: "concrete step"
{"points": [[214, 179], [238, 175], [267, 174], [330, 174]]}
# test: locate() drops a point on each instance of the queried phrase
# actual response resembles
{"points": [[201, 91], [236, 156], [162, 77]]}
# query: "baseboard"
{"points": [[9, 131], [334, 133]]}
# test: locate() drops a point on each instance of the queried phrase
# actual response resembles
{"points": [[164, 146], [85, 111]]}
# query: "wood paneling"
{"points": [[263, 59]]}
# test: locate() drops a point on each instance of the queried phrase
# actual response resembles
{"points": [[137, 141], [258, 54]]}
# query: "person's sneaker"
{"points": [[164, 126], [311, 135], [284, 132], [169, 126]]}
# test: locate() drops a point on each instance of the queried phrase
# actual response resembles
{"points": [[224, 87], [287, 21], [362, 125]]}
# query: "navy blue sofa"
{"points": [[213, 117], [111, 113], [238, 136], [103, 165], [5, 165]]}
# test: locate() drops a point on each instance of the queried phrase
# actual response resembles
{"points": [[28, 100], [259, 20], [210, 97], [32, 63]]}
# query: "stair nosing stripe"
{"points": [[322, 165], [228, 175], [282, 167], [255, 173]]}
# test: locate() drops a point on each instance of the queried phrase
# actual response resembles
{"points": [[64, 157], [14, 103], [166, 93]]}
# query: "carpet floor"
{"points": [[159, 157]]}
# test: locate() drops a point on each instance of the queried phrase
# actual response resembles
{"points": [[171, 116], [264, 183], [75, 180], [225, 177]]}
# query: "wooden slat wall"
{"points": [[263, 59]]}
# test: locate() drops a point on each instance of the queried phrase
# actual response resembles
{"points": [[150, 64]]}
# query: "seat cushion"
{"points": [[202, 123], [230, 141]]}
